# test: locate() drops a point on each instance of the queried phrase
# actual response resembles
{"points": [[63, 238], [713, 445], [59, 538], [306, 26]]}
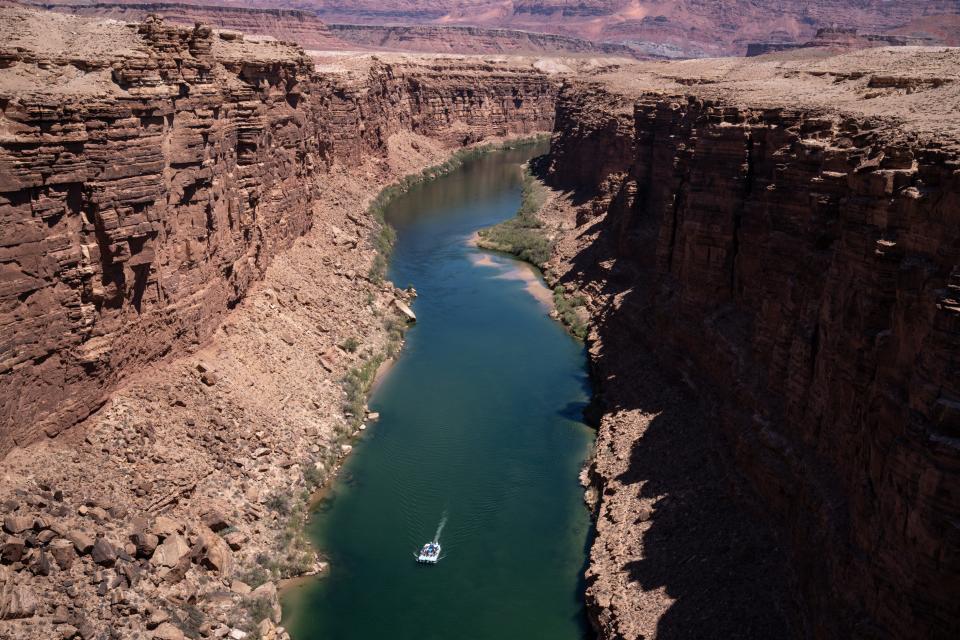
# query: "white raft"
{"points": [[429, 554]]}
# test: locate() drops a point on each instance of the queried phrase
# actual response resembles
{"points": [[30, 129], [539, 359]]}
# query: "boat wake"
{"points": [[443, 523]]}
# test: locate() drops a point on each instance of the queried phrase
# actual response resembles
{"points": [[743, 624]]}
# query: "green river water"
{"points": [[480, 429]]}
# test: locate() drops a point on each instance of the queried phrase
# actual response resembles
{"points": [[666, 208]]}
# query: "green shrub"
{"points": [[566, 307], [522, 235], [255, 576], [351, 344], [357, 384], [257, 610], [278, 502], [312, 476]]}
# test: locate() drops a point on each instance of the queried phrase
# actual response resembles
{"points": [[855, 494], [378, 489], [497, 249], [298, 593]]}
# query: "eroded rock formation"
{"points": [[185, 242], [145, 188], [797, 269]]}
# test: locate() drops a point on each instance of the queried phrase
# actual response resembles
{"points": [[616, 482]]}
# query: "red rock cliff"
{"points": [[799, 269], [146, 184]]}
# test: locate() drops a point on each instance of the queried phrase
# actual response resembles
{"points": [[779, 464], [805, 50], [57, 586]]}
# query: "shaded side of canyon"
{"points": [[775, 297]]}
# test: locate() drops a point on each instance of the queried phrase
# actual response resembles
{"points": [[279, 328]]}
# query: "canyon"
{"points": [[767, 248], [632, 28], [771, 269], [187, 256]]}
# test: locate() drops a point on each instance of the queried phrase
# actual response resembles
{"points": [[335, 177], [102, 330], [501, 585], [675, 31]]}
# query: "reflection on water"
{"points": [[480, 426]]}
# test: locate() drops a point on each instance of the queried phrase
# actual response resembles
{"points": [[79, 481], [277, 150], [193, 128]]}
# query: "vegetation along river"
{"points": [[480, 429]]}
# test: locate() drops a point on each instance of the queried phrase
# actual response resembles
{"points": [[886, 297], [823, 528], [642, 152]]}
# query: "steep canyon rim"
{"points": [[230, 251]]}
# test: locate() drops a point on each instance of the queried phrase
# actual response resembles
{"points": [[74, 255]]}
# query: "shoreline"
{"points": [[529, 274], [287, 585]]}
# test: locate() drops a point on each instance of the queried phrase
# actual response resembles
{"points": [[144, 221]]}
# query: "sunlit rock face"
{"points": [[149, 173]]}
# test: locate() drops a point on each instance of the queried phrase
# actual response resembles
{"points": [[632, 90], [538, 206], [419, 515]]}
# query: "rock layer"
{"points": [[306, 29], [797, 269], [143, 191], [682, 28]]}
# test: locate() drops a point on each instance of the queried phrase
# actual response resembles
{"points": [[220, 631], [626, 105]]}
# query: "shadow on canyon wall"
{"points": [[708, 544]]}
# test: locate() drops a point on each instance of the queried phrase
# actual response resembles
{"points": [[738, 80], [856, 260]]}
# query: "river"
{"points": [[480, 430]]}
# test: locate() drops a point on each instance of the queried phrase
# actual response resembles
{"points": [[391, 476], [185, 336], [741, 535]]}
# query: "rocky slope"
{"points": [[142, 200], [772, 271], [156, 180]]}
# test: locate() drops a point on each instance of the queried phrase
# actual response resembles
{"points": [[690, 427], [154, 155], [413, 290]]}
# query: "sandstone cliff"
{"points": [[791, 259], [185, 245], [146, 184]]}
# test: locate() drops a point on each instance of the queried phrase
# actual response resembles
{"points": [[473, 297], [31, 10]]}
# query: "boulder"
{"points": [[169, 553], [167, 631], [145, 544], [63, 552], [405, 310], [17, 601], [45, 536], [12, 550], [17, 524], [215, 521], [61, 615], [164, 527], [267, 630], [179, 572], [81, 541], [215, 554], [240, 587], [41, 566], [103, 553], [67, 631], [156, 618], [235, 540]]}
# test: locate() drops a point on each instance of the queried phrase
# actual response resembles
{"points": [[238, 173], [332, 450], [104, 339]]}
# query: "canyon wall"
{"points": [[149, 174], [799, 271], [681, 28], [290, 25], [306, 29], [684, 28]]}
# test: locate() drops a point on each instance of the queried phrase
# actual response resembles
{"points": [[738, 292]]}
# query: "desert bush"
{"points": [[523, 235], [566, 307]]}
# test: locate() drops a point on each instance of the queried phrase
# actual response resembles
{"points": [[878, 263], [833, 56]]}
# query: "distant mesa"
{"points": [[630, 28], [842, 38]]}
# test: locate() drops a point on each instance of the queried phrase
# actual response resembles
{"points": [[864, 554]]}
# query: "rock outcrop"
{"points": [[149, 173], [796, 270]]}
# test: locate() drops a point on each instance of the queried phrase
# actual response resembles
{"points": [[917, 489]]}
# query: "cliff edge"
{"points": [[769, 248]]}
